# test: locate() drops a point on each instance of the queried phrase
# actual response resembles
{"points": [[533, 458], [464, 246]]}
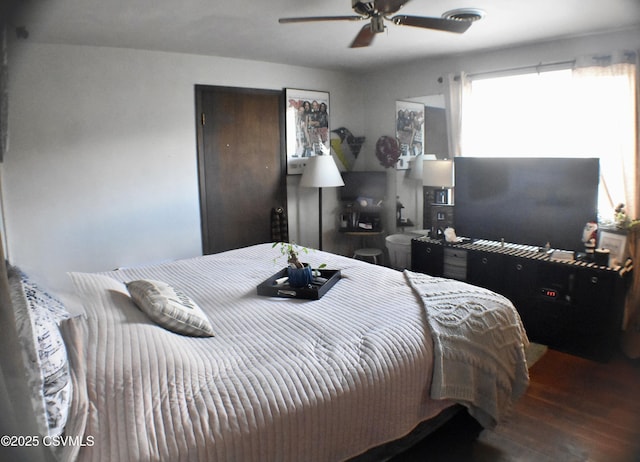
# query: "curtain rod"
{"points": [[628, 55], [537, 68], [513, 70]]}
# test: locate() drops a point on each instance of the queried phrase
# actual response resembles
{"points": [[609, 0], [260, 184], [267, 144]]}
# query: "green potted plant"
{"points": [[300, 274]]}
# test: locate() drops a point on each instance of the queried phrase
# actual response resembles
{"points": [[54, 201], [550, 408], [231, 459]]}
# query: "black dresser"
{"points": [[569, 305]]}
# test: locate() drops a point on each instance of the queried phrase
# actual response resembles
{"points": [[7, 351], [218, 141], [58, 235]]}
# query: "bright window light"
{"points": [[553, 114]]}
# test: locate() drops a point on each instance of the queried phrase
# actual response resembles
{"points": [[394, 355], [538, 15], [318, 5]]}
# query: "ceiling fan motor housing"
{"points": [[364, 8], [377, 24]]}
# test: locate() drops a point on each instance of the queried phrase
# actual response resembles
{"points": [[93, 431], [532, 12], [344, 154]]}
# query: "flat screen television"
{"points": [[526, 200], [363, 184]]}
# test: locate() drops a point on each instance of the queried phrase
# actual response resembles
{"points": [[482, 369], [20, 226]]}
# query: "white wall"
{"points": [[102, 167], [421, 78], [101, 170]]}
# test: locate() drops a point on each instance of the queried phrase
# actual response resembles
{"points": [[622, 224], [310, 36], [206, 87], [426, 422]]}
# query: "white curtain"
{"points": [[618, 151], [456, 87]]}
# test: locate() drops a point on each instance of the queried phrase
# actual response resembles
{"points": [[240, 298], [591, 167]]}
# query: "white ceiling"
{"points": [[249, 29]]}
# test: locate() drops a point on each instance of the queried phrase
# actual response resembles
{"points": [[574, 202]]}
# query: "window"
{"points": [[582, 112]]}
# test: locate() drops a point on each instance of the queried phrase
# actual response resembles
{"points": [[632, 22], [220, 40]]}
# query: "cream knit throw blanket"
{"points": [[479, 346]]}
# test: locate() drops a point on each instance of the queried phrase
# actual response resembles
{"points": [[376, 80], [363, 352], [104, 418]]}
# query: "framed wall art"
{"points": [[409, 131], [616, 242], [307, 127]]}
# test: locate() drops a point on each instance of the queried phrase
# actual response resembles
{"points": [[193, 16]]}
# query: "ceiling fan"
{"points": [[379, 11]]}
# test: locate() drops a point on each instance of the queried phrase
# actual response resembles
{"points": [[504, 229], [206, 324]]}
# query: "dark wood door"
{"points": [[241, 164]]}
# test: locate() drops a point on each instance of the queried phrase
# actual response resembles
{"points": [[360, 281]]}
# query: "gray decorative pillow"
{"points": [[45, 355], [170, 308]]}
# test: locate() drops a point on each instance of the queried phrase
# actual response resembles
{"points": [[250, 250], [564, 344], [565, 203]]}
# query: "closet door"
{"points": [[241, 163]]}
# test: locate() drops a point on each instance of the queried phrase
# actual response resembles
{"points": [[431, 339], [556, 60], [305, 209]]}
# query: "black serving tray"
{"points": [[311, 292]]}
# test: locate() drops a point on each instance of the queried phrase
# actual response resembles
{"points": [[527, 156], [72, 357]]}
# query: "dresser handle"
{"points": [[519, 266], [594, 279], [484, 260], [428, 250]]}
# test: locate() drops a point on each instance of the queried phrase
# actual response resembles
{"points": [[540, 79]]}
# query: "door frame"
{"points": [[200, 122]]}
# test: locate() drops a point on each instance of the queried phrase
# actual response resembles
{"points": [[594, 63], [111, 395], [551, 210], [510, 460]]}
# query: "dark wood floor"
{"points": [[575, 410]]}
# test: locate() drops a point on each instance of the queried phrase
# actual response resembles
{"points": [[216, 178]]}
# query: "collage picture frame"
{"points": [[409, 131], [307, 116]]}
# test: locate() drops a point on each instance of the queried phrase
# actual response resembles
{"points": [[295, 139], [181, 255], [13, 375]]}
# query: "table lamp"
{"points": [[438, 174]]}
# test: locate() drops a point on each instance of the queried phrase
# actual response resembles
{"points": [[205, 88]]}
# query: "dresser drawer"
{"points": [[455, 264]]}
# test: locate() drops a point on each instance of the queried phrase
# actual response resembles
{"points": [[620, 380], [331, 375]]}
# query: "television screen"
{"points": [[363, 184], [526, 200]]}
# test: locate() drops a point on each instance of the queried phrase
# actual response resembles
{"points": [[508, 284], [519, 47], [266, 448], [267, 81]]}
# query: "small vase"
{"points": [[300, 277]]}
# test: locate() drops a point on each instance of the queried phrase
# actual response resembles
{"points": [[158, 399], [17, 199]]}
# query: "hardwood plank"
{"points": [[574, 410]]}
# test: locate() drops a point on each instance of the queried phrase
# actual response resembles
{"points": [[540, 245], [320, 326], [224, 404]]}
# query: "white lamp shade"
{"points": [[417, 165], [438, 173], [321, 172]]}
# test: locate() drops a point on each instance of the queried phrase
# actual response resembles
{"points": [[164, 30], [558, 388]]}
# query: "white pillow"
{"points": [[44, 350], [170, 308]]}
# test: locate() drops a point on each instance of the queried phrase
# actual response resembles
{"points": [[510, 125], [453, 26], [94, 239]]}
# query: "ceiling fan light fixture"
{"points": [[464, 14]]}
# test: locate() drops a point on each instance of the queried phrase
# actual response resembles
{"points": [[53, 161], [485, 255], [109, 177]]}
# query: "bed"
{"points": [[278, 379]]}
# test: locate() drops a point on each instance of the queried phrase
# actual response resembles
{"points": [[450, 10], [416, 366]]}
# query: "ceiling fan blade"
{"points": [[387, 7], [364, 38], [449, 25], [320, 18]]}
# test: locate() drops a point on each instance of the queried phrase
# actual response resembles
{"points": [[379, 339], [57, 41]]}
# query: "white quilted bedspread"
{"points": [[282, 380]]}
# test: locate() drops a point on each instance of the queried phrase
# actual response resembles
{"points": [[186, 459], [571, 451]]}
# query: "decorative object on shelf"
{"points": [[346, 147], [399, 208], [590, 237], [387, 151], [622, 219], [451, 237], [362, 215], [307, 121], [616, 242], [561, 255], [321, 172], [439, 175], [601, 256], [409, 131]]}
